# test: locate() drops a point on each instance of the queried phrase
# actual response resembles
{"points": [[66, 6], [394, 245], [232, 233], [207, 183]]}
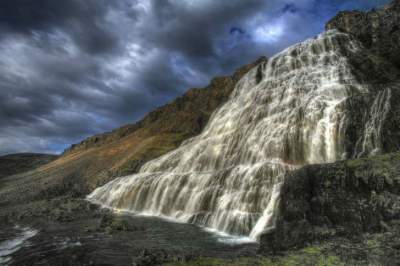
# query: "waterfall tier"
{"points": [[288, 112]]}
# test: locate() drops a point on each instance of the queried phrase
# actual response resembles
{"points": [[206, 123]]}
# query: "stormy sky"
{"points": [[73, 68]]}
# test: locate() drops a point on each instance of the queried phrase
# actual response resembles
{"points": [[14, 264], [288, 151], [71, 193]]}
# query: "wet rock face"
{"points": [[379, 29], [319, 101], [347, 199], [344, 199], [362, 112]]}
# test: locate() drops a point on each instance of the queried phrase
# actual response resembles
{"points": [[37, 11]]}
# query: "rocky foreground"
{"points": [[346, 213]]}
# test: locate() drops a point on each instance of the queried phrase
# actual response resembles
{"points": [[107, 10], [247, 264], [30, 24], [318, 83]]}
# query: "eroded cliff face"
{"points": [[329, 98], [344, 199], [379, 32], [379, 29], [319, 101], [351, 198]]}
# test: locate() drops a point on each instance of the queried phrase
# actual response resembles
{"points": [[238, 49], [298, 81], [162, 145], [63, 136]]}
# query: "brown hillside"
{"points": [[101, 158]]}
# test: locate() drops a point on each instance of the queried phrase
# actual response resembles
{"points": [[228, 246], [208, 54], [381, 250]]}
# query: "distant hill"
{"points": [[22, 162], [335, 97]]}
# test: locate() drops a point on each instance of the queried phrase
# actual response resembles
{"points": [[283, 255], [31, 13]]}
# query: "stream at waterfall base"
{"points": [[114, 239]]}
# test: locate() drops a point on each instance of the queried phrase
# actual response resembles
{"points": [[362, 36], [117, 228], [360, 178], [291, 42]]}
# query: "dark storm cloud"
{"points": [[192, 28], [82, 19], [73, 68]]}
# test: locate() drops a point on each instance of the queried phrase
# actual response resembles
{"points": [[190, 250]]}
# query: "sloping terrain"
{"points": [[100, 158], [347, 211], [313, 104], [22, 162]]}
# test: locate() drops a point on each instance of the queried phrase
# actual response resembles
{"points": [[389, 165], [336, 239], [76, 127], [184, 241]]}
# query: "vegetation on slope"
{"points": [[22, 162]]}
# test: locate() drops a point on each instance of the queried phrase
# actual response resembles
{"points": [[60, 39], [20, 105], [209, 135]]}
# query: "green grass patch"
{"points": [[310, 256]]}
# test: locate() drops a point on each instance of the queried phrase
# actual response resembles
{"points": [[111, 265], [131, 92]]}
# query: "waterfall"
{"points": [[283, 114], [266, 220], [372, 138]]}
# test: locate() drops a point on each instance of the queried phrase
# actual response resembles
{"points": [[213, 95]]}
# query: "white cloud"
{"points": [[270, 33]]}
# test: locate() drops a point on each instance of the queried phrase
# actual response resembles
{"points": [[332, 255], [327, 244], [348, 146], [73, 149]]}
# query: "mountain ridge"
{"points": [[347, 209], [101, 158], [298, 111], [219, 87]]}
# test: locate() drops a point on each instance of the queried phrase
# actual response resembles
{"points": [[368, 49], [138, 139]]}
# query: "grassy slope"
{"points": [[22, 162]]}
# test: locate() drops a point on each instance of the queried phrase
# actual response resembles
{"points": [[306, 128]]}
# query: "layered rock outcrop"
{"points": [[295, 110], [344, 199], [378, 29], [350, 198], [317, 202]]}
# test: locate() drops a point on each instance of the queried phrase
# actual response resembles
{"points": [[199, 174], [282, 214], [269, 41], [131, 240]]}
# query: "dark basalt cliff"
{"points": [[379, 30], [356, 202], [344, 199], [356, 198]]}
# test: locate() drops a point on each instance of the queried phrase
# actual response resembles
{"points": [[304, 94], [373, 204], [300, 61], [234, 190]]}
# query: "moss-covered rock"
{"points": [[345, 199], [312, 255], [378, 29]]}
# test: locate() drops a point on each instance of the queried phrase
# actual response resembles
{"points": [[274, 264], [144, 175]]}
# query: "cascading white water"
{"points": [[266, 220], [372, 137], [281, 115], [10, 246]]}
